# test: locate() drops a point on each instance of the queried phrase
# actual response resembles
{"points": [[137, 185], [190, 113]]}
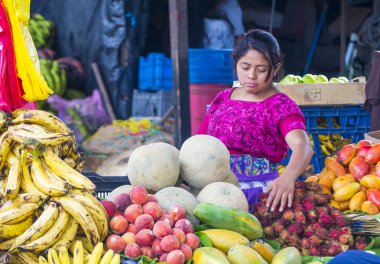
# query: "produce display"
{"points": [[311, 78], [353, 178], [54, 75], [41, 31]]}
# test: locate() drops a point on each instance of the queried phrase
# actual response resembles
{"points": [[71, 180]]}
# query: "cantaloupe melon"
{"points": [[223, 194], [231, 178], [154, 166], [121, 189], [171, 196], [203, 159]]}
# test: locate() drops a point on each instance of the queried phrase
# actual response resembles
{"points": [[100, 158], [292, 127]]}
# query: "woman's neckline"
{"points": [[245, 101]]}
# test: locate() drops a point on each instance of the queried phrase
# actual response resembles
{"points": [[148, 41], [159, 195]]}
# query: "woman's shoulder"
{"points": [[223, 95], [282, 98]]}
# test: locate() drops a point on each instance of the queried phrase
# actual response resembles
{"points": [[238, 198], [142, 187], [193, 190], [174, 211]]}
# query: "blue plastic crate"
{"points": [[155, 72], [211, 66]]}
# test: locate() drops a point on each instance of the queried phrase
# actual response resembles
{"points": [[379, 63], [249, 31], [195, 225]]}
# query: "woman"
{"points": [[257, 123]]}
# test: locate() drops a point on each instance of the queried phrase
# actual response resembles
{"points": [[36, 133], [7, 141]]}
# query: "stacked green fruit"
{"points": [[54, 75], [311, 78], [41, 31]]}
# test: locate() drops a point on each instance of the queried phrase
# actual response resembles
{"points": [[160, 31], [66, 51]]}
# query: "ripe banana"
{"points": [[22, 199], [81, 215], [107, 257], [64, 171], [16, 215], [51, 236], [27, 184], [6, 245], [115, 259], [10, 231], [68, 236], [42, 181], [42, 118], [32, 128], [41, 225], [97, 253], [64, 255], [14, 180], [18, 112], [78, 257], [86, 244], [42, 260], [5, 147], [55, 179], [325, 151], [27, 257], [25, 137], [53, 257]]}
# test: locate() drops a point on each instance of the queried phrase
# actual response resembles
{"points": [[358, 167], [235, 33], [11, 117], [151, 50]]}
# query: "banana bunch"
{"points": [[41, 31], [45, 201], [54, 75], [330, 144]]}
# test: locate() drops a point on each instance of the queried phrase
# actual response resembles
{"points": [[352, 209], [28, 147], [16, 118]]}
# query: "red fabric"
{"points": [[291, 123], [11, 91]]}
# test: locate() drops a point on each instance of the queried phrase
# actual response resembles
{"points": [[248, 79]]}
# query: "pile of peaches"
{"points": [[141, 227]]}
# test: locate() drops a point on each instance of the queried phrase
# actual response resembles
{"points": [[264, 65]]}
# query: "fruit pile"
{"points": [[45, 201], [41, 31], [54, 75], [141, 227], [353, 178], [311, 78], [309, 225]]}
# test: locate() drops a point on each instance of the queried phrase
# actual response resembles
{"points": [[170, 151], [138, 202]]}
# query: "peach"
{"points": [[186, 250], [177, 212], [152, 198], [179, 234], [185, 225], [132, 212], [153, 209], [147, 251], [132, 250], [119, 224], [132, 229], [163, 257], [109, 207], [138, 195], [169, 243], [157, 247], [167, 218], [161, 229], [129, 238], [116, 243], [145, 237], [122, 201], [175, 257], [192, 241], [144, 221]]}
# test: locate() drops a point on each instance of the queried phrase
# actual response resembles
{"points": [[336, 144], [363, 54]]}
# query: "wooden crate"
{"points": [[352, 93]]}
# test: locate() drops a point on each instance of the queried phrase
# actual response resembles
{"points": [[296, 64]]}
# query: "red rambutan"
{"points": [[314, 251], [308, 204], [322, 210], [313, 186], [300, 185], [334, 234], [315, 241], [300, 218], [340, 221], [312, 215], [346, 239], [334, 248], [322, 199], [269, 232], [322, 233], [323, 250], [360, 243], [295, 229], [260, 211], [305, 243], [305, 252], [309, 231], [284, 236], [288, 215], [278, 225], [299, 194], [325, 220], [316, 225], [294, 241], [345, 230]]}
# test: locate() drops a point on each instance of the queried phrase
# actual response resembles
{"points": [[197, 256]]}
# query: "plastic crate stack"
{"points": [[350, 121]]}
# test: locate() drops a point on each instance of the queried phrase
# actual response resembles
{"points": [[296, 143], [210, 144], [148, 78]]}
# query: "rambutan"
{"points": [[300, 218], [309, 231], [300, 185], [316, 225], [322, 199], [308, 204], [315, 241], [360, 243], [345, 230], [284, 236], [263, 196], [305, 252], [295, 229], [278, 225], [325, 220], [288, 215], [294, 241], [322, 233], [312, 215], [305, 243], [346, 239], [314, 251], [313, 186], [299, 194], [269, 232], [322, 210], [323, 251], [260, 211], [334, 248], [340, 221], [334, 234]]}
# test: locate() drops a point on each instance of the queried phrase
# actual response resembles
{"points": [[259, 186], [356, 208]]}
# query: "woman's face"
{"points": [[252, 71]]}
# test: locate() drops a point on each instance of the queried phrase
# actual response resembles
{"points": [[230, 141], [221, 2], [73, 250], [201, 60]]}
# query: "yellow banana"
{"points": [[10, 231], [27, 257], [97, 212], [42, 181], [43, 118], [6, 245], [32, 128], [5, 146], [71, 249], [64, 255], [14, 180], [331, 146], [324, 137], [27, 184], [42, 260], [64, 171], [22, 199], [19, 214], [86, 244], [10, 159], [325, 151], [55, 179], [25, 137], [53, 257], [78, 257], [96, 254], [115, 259], [68, 236], [18, 112], [70, 162], [107, 257], [51, 236], [81, 215], [66, 148], [41, 225]]}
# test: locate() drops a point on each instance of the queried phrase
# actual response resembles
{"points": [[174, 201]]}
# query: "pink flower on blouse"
{"points": [[255, 128]]}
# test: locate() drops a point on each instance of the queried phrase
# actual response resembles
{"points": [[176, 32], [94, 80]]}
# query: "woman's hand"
{"points": [[280, 193]]}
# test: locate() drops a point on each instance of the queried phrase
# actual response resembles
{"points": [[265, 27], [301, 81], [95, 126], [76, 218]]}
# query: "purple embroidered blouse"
{"points": [[255, 128]]}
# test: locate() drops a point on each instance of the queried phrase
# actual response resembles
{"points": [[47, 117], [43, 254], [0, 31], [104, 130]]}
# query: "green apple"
{"points": [[299, 79], [309, 78], [335, 80], [344, 79], [322, 79]]}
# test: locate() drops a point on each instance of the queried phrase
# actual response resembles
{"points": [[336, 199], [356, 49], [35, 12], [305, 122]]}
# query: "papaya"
{"points": [[371, 182], [362, 151], [205, 255], [344, 205], [313, 178], [334, 166], [264, 249], [224, 239], [288, 255], [341, 181], [327, 179], [327, 191], [235, 220], [346, 192], [374, 196], [358, 168], [363, 142], [369, 207], [346, 154], [373, 154], [357, 200], [377, 169], [335, 204], [240, 254]]}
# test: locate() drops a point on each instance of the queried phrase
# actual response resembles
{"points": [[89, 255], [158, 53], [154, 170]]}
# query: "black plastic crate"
{"points": [[105, 184]]}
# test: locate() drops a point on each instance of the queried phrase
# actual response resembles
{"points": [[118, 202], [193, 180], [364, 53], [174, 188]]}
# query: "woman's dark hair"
{"points": [[262, 41]]}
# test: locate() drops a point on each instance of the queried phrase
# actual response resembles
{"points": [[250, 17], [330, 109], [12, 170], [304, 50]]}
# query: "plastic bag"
{"points": [[83, 116]]}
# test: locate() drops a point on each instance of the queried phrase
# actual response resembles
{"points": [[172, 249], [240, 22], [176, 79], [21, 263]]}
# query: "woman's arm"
{"points": [[281, 190]]}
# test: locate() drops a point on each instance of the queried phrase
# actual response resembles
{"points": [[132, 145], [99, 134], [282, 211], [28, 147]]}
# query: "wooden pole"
{"points": [[179, 54], [343, 42]]}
